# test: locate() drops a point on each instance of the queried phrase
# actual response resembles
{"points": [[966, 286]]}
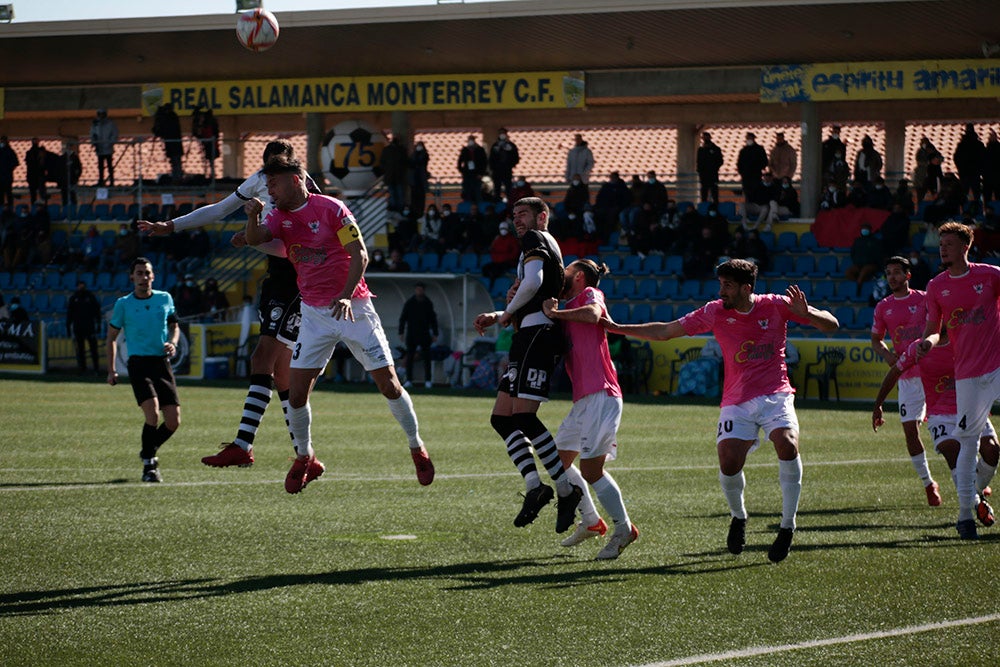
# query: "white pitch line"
{"points": [[347, 477], [832, 641]]}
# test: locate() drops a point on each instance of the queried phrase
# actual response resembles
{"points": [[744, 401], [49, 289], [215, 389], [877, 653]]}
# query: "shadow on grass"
{"points": [[42, 485], [456, 577]]}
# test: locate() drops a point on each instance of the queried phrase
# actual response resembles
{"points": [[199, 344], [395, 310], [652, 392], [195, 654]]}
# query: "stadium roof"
{"points": [[534, 35]]}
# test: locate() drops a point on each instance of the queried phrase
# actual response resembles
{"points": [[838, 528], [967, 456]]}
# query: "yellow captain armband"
{"points": [[349, 233]]}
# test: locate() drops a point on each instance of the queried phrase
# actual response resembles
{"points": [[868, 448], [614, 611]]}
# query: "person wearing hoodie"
{"points": [[579, 160]]}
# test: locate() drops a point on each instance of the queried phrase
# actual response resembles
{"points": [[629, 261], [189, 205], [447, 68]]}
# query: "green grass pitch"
{"points": [[365, 567]]}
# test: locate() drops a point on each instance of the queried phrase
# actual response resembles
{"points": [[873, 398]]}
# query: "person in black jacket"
{"points": [[503, 158], [708, 163], [970, 154], [419, 323], [472, 163], [751, 161], [83, 319]]}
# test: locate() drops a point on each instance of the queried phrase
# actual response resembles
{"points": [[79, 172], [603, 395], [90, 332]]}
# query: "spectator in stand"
{"points": [[472, 231], [654, 198], [788, 199], [64, 170], [503, 158], [8, 162], [704, 255], [34, 161], [920, 271], [879, 196], [895, 232], [214, 303], [39, 252], [406, 233], [833, 196], [665, 234], [91, 250], [631, 213], [948, 203], [520, 189], [690, 224], [866, 257], [430, 231], [920, 174], [612, 198], [970, 154], [904, 196], [167, 126], [762, 202], [199, 248], [393, 163], [748, 245], [18, 315], [991, 169], [127, 245], [839, 171], [831, 146], [752, 160], [857, 194], [454, 236], [187, 298], [579, 160], [577, 198], [378, 263], [396, 262], [504, 252], [205, 129], [420, 176], [867, 163], [103, 137], [83, 321], [935, 178], [472, 163], [783, 159], [708, 162]]}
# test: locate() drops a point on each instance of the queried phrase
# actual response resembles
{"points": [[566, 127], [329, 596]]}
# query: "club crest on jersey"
{"points": [[978, 287], [314, 226], [276, 313], [912, 309], [764, 324]]}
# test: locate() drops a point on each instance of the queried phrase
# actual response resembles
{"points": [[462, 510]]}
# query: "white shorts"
{"points": [[975, 398], [319, 333], [744, 421], [591, 427], [942, 428], [912, 405]]}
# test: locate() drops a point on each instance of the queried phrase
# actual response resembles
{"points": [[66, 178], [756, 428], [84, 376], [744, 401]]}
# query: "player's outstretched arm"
{"points": [[647, 330], [155, 228], [823, 320], [589, 314]]}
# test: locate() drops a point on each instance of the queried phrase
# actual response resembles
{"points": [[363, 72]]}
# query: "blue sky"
{"points": [[30, 11]]}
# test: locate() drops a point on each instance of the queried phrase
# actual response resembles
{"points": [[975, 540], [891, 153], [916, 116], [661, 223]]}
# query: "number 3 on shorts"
{"points": [[295, 352]]}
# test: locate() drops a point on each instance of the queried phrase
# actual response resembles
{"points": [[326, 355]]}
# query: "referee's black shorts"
{"points": [[152, 377]]}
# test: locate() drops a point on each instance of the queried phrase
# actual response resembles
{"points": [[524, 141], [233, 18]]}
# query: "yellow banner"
{"points": [[859, 377], [526, 90], [834, 82]]}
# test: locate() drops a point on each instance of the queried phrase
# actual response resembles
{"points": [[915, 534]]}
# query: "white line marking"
{"points": [[832, 641]]}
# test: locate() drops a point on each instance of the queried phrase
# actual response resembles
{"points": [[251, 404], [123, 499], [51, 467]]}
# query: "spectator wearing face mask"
{"points": [[788, 199], [576, 200], [866, 257], [377, 263], [520, 189], [762, 204], [420, 176], [831, 146], [504, 252], [833, 196], [187, 298], [472, 163], [430, 231], [503, 158], [920, 271], [879, 196]]}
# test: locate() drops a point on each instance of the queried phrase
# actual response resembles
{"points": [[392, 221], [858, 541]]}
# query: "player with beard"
{"points": [[901, 316], [752, 331], [536, 343], [277, 310]]}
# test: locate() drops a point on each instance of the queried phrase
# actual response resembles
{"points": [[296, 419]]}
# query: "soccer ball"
{"points": [[350, 154], [257, 29]]}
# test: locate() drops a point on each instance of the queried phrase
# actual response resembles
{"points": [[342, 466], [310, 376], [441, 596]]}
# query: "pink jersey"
{"points": [[967, 306], [937, 374], [753, 345], [588, 360], [314, 236], [903, 320]]}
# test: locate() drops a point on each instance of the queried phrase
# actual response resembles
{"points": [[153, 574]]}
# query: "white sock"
{"points": [[531, 480], [402, 409], [790, 478], [966, 478], [923, 471], [610, 495], [984, 474], [588, 512], [300, 420], [732, 489]]}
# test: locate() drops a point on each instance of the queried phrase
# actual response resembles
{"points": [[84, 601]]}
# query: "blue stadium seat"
{"points": [[641, 313], [769, 240], [57, 302], [690, 290], [787, 242], [569, 259], [807, 242], [663, 312], [5, 281], [864, 318], [104, 281], [827, 266], [845, 316], [632, 265], [52, 280], [36, 279], [648, 288], [626, 288], [413, 259], [469, 263], [781, 265], [760, 287], [778, 286], [669, 289], [614, 262], [673, 265], [805, 265], [463, 207], [619, 312], [40, 301], [56, 212], [429, 262], [727, 209], [449, 263], [823, 290], [102, 211], [85, 212], [500, 287], [702, 208], [847, 290], [119, 212], [685, 308], [652, 264], [19, 280]]}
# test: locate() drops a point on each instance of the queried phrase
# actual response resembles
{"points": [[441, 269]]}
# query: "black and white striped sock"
{"points": [[258, 396]]}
